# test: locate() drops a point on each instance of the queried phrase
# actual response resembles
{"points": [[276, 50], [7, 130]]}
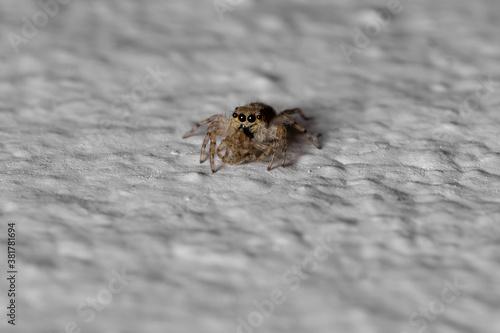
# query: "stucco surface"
{"points": [[404, 193]]}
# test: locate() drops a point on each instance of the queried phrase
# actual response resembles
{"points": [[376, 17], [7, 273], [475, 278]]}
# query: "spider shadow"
{"points": [[297, 146]]}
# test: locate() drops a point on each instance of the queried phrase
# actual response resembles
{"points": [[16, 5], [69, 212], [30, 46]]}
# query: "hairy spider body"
{"points": [[239, 148], [254, 132]]}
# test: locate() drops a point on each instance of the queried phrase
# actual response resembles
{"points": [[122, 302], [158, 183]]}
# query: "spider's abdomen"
{"points": [[267, 113]]}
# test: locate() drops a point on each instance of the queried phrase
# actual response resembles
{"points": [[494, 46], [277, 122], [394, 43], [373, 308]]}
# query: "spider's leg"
{"points": [[239, 153], [245, 159], [221, 147], [265, 153], [211, 132], [302, 129], [293, 111], [225, 158], [280, 137], [283, 151], [273, 156], [228, 145], [261, 150], [248, 152], [203, 147], [284, 119], [213, 143], [263, 146], [201, 123], [233, 160], [228, 160], [239, 149], [226, 155]]}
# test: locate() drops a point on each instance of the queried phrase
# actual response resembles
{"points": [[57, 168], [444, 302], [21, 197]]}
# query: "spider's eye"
{"points": [[251, 118], [259, 116], [242, 117], [235, 115]]}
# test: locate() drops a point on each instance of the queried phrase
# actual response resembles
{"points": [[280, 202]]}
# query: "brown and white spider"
{"points": [[254, 131]]}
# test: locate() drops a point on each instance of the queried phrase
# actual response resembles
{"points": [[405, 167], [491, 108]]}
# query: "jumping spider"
{"points": [[254, 131]]}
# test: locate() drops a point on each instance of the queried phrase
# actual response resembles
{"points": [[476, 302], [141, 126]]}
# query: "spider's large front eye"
{"points": [[242, 117], [251, 118], [235, 115], [259, 116]]}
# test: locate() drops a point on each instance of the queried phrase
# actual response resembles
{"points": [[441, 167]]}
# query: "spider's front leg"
{"points": [[219, 126], [217, 117], [215, 129], [213, 143], [210, 136], [233, 159], [279, 139]]}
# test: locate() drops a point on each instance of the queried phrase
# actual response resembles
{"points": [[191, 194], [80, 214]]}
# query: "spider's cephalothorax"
{"points": [[251, 117], [251, 134]]}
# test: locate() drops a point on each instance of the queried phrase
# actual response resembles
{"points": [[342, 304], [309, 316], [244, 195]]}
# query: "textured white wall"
{"points": [[403, 196]]}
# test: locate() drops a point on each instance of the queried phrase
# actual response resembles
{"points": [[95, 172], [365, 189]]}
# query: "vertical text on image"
{"points": [[11, 273]]}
